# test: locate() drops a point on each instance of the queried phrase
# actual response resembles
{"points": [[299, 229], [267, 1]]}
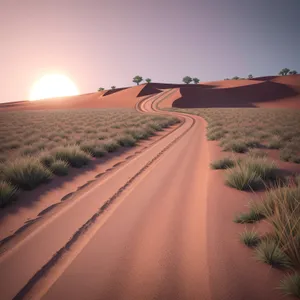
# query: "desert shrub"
{"points": [[26, 173], [224, 163], [235, 146], [257, 153], [111, 146], [290, 285], [268, 251], [250, 217], [126, 140], [7, 193], [250, 238], [266, 169], [138, 134], [275, 143], [73, 155], [46, 158], [243, 178], [155, 125], [60, 167]]}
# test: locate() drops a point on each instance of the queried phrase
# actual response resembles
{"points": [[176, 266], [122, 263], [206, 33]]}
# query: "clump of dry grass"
{"points": [[26, 173], [7, 193]]}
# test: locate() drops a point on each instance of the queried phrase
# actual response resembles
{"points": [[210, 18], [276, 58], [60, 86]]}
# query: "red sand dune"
{"points": [[270, 91]]}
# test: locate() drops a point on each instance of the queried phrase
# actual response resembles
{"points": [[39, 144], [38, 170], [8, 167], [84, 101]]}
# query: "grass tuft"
{"points": [[290, 285], [60, 167], [26, 173], [7, 193], [225, 163], [250, 238], [73, 155], [268, 251]]}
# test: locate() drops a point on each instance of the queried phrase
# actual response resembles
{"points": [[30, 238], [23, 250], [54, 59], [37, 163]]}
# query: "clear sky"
{"points": [[104, 43]]}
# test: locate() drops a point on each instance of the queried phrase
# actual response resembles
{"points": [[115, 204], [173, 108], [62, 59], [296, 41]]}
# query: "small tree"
{"points": [[137, 79], [294, 72], [226, 79], [235, 77], [113, 87], [196, 80], [284, 72], [250, 76], [100, 89], [148, 80], [187, 79]]}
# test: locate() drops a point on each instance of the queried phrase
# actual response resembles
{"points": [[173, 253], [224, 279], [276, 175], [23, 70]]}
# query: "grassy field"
{"points": [[37, 145], [251, 131], [246, 129]]}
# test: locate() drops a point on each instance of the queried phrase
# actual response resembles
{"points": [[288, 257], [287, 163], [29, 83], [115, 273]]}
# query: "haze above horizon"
{"points": [[106, 43]]}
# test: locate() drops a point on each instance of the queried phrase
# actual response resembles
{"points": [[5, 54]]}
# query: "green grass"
{"points": [[26, 173], [60, 168], [269, 252], [250, 217], [7, 193], [225, 163], [290, 285]]}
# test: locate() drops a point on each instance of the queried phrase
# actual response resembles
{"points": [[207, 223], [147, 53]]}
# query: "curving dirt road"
{"points": [[139, 233]]}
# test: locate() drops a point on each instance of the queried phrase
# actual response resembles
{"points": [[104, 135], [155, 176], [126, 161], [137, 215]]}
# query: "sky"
{"points": [[103, 43]]}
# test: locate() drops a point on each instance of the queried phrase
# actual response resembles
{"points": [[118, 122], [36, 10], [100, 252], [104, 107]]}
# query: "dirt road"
{"points": [[141, 233]]}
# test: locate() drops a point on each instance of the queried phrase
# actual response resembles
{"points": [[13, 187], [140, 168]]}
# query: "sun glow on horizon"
{"points": [[51, 86]]}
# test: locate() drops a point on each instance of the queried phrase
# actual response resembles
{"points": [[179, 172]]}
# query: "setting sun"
{"points": [[53, 85]]}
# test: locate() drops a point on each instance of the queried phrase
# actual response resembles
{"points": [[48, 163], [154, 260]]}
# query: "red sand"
{"points": [[271, 91], [169, 234]]}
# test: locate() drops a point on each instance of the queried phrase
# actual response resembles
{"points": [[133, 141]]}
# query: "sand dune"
{"points": [[269, 91]]}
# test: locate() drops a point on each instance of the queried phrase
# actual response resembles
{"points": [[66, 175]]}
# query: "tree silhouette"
{"points": [[100, 89], [187, 79], [284, 72], [137, 79], [250, 76], [113, 87], [196, 80], [148, 80], [294, 72]]}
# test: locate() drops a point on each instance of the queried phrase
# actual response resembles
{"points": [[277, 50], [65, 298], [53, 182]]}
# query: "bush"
{"points": [[7, 193], [26, 173], [72, 155], [60, 168]]}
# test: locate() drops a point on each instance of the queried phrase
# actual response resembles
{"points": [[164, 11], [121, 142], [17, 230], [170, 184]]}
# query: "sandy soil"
{"points": [[157, 227]]}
